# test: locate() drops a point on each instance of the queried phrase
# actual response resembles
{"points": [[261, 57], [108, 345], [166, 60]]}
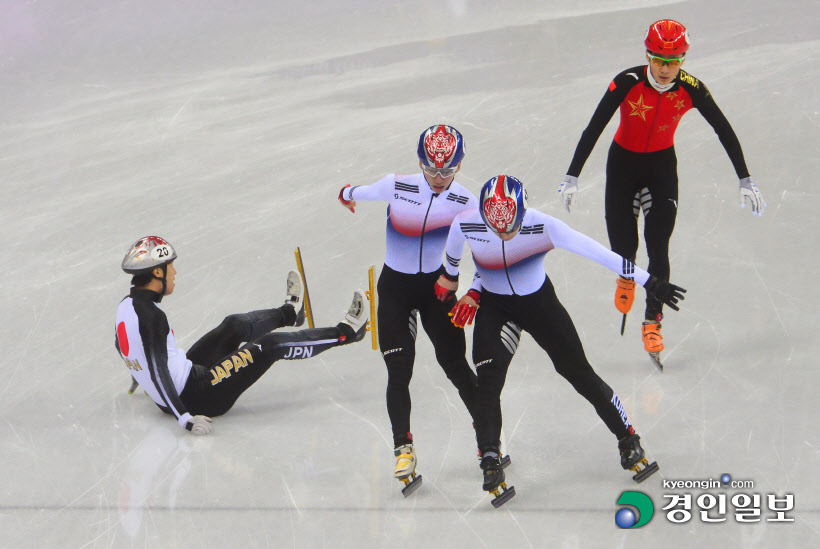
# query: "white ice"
{"points": [[229, 127]]}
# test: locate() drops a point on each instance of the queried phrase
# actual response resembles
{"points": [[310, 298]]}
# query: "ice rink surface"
{"points": [[228, 128]]}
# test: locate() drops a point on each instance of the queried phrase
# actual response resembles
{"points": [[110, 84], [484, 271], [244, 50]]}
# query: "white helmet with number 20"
{"points": [[146, 254]]}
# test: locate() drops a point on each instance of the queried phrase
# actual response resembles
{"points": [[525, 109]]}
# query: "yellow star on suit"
{"points": [[639, 108]]}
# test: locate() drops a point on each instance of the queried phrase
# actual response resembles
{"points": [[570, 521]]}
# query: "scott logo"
{"points": [[406, 199], [626, 517]]}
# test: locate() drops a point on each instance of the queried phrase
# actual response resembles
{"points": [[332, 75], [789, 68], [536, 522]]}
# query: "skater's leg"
{"points": [[553, 330], [398, 325], [658, 226], [214, 393], [236, 329], [495, 339], [451, 348], [621, 186]]}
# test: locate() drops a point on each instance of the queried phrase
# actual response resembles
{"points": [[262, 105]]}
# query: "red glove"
{"points": [[349, 204], [443, 294], [464, 311]]}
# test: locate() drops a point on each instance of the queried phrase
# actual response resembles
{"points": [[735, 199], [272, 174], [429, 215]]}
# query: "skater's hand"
{"points": [[664, 291], [464, 311], [445, 288], [750, 192], [567, 191], [200, 425], [349, 204]]}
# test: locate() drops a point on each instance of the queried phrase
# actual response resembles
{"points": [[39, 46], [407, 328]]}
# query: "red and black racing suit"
{"points": [[641, 169]]}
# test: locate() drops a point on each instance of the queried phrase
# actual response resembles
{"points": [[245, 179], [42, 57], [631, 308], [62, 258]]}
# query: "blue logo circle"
{"points": [[625, 518], [725, 478], [638, 513]]}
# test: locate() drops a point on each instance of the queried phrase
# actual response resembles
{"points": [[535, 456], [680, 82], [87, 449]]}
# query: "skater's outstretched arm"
{"points": [[614, 96], [567, 238], [564, 237], [378, 191]]}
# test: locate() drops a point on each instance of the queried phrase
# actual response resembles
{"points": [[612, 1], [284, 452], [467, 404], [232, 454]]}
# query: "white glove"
{"points": [[200, 425], [567, 190], [750, 192]]}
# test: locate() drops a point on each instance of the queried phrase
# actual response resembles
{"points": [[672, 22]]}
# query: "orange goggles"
{"points": [[658, 61]]}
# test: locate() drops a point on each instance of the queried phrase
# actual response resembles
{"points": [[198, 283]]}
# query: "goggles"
{"points": [[658, 61], [443, 172]]}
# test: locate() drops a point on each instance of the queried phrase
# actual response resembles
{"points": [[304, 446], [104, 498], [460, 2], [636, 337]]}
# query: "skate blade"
{"points": [[505, 462], [656, 360], [502, 494], [411, 484], [643, 473]]}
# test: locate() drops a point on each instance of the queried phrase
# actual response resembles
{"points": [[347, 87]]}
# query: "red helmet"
{"points": [[441, 146], [667, 37]]}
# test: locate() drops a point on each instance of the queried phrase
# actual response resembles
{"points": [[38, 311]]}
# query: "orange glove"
{"points": [[464, 311]]}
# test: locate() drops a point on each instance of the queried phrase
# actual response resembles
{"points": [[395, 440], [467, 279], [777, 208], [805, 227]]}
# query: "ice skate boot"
{"points": [[494, 480], [633, 457], [624, 297], [653, 341], [355, 319], [294, 297], [624, 294], [505, 459], [406, 468]]}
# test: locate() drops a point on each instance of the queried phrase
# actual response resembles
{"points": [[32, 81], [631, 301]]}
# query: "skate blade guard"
{"points": [[502, 494], [643, 473], [411, 483]]}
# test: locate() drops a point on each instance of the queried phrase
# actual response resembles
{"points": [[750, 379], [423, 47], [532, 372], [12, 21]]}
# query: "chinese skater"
{"points": [[641, 169]]}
